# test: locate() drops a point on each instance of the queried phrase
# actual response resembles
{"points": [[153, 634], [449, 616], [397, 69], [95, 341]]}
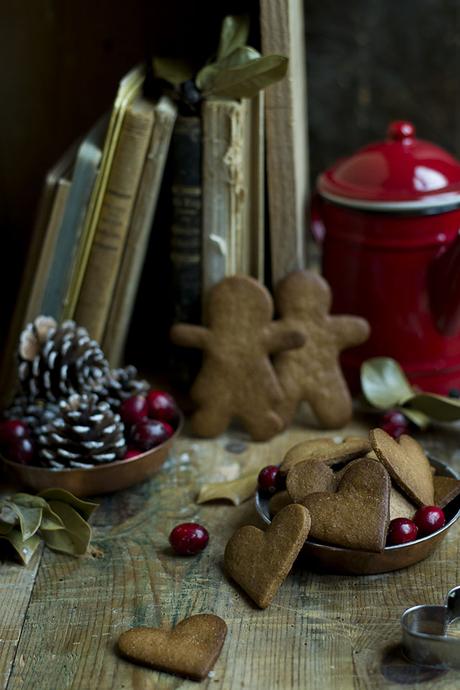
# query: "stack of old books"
{"points": [[98, 205]]}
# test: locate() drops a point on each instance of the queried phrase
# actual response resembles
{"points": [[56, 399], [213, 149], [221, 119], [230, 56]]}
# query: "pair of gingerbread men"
{"points": [[239, 380]]}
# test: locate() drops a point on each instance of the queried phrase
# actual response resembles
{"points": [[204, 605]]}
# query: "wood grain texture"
{"points": [[321, 631]]}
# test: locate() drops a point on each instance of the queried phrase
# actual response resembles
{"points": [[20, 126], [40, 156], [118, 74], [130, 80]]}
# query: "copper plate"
{"points": [[341, 561], [112, 476]]}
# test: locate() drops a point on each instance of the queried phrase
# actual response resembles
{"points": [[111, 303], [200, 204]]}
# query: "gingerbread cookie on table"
{"points": [[312, 372], [237, 379]]}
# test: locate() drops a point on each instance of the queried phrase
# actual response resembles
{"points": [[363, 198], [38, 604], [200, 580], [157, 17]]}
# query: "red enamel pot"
{"points": [[388, 218]]}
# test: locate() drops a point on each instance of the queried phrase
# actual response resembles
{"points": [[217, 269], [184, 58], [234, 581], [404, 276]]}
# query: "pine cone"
{"points": [[119, 385], [35, 413], [85, 433], [57, 361]]}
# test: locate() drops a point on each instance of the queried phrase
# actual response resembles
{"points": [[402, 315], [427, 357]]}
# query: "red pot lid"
{"points": [[400, 172]]}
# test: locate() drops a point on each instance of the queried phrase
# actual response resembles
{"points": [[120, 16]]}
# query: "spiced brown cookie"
{"points": [[325, 450], [237, 379], [312, 372]]}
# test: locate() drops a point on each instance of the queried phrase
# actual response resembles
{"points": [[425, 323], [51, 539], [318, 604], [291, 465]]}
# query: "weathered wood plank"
{"points": [[322, 631]]}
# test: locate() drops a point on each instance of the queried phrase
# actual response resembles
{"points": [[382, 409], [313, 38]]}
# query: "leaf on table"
{"points": [[25, 548], [29, 518], [85, 508], [234, 33], [438, 407], [29, 501], [384, 383], [74, 538], [237, 491], [245, 81], [417, 417]]}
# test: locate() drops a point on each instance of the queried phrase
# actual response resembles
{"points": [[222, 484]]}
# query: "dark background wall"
{"points": [[369, 61]]}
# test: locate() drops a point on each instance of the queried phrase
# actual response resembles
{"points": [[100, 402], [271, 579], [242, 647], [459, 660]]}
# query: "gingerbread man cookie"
{"points": [[312, 372], [237, 379]]}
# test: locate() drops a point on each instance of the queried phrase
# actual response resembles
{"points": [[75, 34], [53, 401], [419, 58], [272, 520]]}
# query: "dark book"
{"points": [[185, 241]]}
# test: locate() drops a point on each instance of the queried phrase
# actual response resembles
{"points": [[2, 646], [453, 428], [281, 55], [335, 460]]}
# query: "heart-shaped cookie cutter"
{"points": [[425, 638]]}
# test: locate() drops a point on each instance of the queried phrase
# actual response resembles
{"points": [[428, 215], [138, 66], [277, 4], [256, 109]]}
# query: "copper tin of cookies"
{"points": [[341, 561], [104, 479]]}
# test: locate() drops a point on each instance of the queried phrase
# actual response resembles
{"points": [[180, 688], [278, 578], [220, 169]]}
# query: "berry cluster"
{"points": [[426, 521], [149, 420], [16, 441]]}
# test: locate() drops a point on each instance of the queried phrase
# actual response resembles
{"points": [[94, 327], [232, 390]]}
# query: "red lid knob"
{"points": [[400, 130]]}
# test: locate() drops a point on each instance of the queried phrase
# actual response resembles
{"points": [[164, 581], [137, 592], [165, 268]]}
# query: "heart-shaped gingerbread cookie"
{"points": [[190, 649], [260, 561], [445, 490], [407, 464], [308, 478], [325, 450], [357, 515]]}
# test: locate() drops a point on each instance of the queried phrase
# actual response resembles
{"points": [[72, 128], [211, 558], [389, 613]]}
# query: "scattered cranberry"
{"points": [[150, 433], [133, 410], [130, 453], [401, 531], [11, 430], [394, 423], [429, 519], [162, 406], [268, 479], [21, 450], [188, 538]]}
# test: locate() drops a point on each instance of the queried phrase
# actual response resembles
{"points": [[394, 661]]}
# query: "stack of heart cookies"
{"points": [[343, 494], [354, 489]]}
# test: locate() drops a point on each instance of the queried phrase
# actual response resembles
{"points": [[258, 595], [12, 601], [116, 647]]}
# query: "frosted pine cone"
{"points": [[35, 413], [119, 385], [86, 433], [57, 361]]}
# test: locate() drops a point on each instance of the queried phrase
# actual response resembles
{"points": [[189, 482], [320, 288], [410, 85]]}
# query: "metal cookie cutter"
{"points": [[425, 638]]}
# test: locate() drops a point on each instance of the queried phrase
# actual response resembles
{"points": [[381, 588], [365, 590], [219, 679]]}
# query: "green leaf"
{"points": [[236, 491], [76, 535], [29, 518], [418, 418], [85, 508], [5, 527], [29, 501], [384, 383], [241, 56], [234, 33], [438, 407], [174, 70], [25, 548], [245, 81]]}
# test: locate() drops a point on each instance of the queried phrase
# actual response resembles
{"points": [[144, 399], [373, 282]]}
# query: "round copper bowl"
{"points": [[91, 481], [341, 561]]}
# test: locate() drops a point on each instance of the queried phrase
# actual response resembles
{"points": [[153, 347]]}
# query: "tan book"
{"points": [[282, 32], [139, 232], [129, 87], [232, 240], [112, 226]]}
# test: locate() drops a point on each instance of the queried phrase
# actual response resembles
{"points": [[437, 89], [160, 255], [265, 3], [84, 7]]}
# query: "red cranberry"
{"points": [[394, 423], [11, 430], [401, 531], [162, 406], [133, 410], [268, 479], [21, 450], [188, 538], [130, 453], [150, 433], [429, 519]]}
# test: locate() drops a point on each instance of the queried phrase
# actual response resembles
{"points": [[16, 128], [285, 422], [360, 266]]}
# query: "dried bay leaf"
{"points": [[438, 407], [85, 508], [29, 518], [384, 383], [234, 33], [207, 76], [245, 81], [75, 537], [25, 548], [237, 491]]}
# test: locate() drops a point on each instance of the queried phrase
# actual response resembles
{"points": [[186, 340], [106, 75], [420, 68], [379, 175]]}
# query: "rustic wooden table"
{"points": [[61, 617]]}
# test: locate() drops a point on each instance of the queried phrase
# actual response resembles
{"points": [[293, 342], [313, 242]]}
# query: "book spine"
{"points": [[185, 249], [110, 236]]}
